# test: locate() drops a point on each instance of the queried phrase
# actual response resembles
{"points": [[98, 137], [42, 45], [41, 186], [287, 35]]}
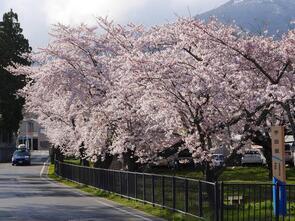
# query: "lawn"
{"points": [[232, 174], [72, 161]]}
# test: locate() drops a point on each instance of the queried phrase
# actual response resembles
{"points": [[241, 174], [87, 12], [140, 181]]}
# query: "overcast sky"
{"points": [[36, 16]]}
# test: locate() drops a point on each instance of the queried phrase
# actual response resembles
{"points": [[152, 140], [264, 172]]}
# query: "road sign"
{"points": [[278, 153], [278, 170]]}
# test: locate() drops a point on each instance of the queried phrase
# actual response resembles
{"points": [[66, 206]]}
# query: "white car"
{"points": [[289, 155], [253, 157], [217, 160]]}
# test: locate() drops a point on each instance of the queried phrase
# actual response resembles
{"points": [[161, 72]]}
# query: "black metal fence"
{"points": [[205, 200], [248, 202]]}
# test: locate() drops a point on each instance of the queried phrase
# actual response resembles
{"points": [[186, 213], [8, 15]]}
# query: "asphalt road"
{"points": [[26, 194]]}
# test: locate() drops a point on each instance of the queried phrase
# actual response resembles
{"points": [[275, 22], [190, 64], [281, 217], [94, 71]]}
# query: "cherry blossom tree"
{"points": [[222, 82], [131, 92]]}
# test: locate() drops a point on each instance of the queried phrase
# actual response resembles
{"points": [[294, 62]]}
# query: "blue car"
{"points": [[21, 156]]}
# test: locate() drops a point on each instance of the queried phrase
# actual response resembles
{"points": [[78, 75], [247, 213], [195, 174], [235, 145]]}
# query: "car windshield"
{"points": [[21, 153]]}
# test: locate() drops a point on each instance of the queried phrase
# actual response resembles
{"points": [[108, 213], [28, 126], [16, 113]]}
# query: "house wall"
{"points": [[32, 133]]}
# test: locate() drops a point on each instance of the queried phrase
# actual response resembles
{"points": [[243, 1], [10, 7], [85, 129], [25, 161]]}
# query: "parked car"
{"points": [[165, 162], [182, 159], [217, 160], [253, 157], [21, 156], [289, 155]]}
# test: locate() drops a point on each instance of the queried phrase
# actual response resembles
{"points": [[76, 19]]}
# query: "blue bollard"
{"points": [[279, 197]]}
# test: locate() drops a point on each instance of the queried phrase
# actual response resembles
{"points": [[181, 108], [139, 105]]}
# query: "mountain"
{"points": [[256, 16]]}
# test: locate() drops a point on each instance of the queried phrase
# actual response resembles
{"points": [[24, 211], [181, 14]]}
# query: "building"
{"points": [[7, 145], [32, 134]]}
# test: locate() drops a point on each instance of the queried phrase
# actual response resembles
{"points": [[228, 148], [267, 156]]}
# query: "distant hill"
{"points": [[256, 16]]}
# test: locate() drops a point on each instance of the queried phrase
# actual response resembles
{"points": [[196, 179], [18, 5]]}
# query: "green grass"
{"points": [[241, 174], [194, 174], [147, 208], [256, 211], [72, 161], [252, 174], [231, 174], [75, 161]]}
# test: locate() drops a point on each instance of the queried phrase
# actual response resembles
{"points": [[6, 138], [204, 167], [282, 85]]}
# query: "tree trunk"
{"points": [[129, 161], [58, 154], [84, 162], [210, 173], [106, 163], [265, 142]]}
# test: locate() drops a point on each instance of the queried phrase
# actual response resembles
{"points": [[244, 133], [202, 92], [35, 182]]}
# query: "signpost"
{"points": [[278, 170]]}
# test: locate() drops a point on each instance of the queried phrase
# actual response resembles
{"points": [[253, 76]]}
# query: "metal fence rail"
{"points": [[205, 200], [192, 197], [250, 202]]}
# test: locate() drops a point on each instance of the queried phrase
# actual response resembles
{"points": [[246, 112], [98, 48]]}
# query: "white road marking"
{"points": [[77, 192], [124, 211], [44, 165]]}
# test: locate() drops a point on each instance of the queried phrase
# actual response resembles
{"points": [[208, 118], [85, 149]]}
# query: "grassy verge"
{"points": [[149, 209], [72, 161], [75, 161], [232, 174], [190, 173], [253, 174]]}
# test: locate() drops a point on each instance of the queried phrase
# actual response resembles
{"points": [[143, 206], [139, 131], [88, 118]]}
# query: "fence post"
{"points": [[127, 183], [114, 181], [108, 179], [98, 175], [78, 174], [200, 200], [216, 201], [121, 184], [186, 195], [135, 186], [143, 180], [59, 167], [221, 201], [93, 177], [89, 177], [72, 173], [277, 201], [173, 193], [55, 167], [153, 190], [163, 191]]}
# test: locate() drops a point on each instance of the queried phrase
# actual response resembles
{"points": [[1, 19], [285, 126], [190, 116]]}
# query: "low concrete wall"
{"points": [[6, 154]]}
